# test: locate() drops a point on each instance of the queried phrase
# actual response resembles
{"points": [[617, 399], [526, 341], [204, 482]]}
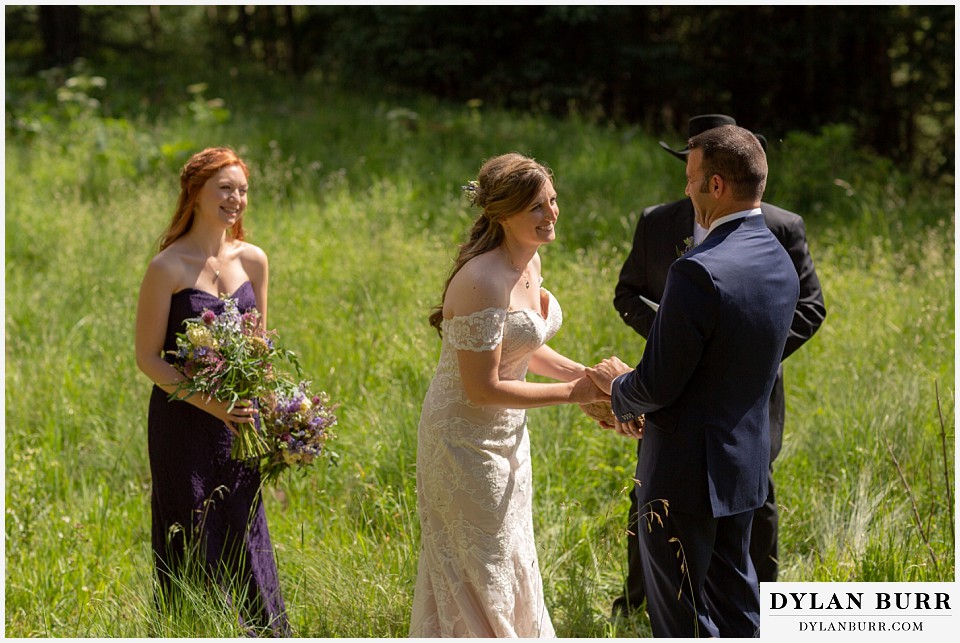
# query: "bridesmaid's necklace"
{"points": [[216, 272], [526, 279]]}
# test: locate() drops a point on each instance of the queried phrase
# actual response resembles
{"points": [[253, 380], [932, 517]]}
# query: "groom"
{"points": [[662, 232], [704, 385]]}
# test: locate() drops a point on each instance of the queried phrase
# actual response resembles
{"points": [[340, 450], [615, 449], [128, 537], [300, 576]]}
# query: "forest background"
{"points": [[360, 123]]}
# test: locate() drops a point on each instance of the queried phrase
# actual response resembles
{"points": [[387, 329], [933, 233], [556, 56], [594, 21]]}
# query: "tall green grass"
{"points": [[357, 203]]}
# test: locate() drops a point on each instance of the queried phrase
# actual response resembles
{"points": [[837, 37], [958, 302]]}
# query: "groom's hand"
{"points": [[606, 371], [632, 429]]}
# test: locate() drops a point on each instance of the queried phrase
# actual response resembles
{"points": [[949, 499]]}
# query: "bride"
{"points": [[478, 573]]}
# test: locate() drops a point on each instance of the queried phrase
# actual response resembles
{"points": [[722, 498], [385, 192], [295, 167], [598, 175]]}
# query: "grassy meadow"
{"points": [[357, 202]]}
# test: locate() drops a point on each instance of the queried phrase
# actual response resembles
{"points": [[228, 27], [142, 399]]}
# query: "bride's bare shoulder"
{"points": [[478, 285]]}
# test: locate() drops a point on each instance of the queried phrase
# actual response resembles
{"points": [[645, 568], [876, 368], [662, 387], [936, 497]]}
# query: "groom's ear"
{"points": [[717, 186]]}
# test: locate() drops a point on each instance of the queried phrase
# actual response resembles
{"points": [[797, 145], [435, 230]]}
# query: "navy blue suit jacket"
{"points": [[707, 370], [659, 240]]}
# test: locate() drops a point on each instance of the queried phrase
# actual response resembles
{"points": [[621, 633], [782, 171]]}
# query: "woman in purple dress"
{"points": [[208, 516]]}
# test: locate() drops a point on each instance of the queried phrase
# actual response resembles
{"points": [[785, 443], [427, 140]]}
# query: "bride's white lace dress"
{"points": [[478, 573]]}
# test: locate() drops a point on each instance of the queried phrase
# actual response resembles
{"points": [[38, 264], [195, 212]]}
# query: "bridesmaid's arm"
{"points": [[153, 309]]}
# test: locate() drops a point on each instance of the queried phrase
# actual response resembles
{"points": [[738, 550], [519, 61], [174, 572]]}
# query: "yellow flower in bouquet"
{"points": [[201, 336]]}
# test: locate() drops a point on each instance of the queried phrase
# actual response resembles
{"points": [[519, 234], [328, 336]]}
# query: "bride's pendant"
{"points": [[522, 273]]}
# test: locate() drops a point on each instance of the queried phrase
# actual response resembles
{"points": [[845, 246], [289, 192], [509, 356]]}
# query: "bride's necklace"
{"points": [[523, 273]]}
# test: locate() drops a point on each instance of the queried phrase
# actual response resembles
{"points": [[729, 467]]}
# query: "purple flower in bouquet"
{"points": [[297, 425]]}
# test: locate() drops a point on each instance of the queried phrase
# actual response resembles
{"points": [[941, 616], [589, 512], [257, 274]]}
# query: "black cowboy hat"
{"points": [[702, 123]]}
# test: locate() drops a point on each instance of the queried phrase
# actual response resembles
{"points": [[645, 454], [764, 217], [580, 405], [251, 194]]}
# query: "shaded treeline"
{"points": [[886, 70]]}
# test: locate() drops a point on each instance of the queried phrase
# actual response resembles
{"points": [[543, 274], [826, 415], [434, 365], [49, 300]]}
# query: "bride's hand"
{"points": [[606, 371], [585, 392]]}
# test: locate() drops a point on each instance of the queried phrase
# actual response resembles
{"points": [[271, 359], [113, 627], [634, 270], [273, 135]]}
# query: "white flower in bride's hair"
{"points": [[471, 189]]}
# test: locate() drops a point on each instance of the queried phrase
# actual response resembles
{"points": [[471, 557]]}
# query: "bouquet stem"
{"points": [[250, 445]]}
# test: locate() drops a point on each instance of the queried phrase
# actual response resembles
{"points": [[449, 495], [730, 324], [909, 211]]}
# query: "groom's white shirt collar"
{"points": [[743, 214], [699, 233]]}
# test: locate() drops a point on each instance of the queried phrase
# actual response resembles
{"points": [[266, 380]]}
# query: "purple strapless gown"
{"points": [[213, 499]]}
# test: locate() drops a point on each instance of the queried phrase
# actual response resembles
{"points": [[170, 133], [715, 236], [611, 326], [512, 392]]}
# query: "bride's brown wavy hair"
{"points": [[505, 185], [194, 174]]}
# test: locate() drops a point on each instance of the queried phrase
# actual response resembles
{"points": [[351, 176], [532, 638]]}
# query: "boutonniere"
{"points": [[687, 246]]}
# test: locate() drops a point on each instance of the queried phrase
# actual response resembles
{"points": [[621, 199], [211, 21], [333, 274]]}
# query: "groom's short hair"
{"points": [[736, 155]]}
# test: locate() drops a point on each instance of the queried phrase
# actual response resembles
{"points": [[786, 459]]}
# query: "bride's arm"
{"points": [[549, 363], [480, 374], [471, 291]]}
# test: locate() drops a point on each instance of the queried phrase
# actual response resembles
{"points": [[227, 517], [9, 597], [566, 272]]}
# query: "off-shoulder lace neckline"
{"points": [[508, 311]]}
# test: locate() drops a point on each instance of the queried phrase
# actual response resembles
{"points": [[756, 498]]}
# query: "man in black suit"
{"points": [[703, 386], [664, 232]]}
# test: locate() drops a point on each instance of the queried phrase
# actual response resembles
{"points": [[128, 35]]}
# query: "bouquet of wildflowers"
{"points": [[296, 425], [230, 357], [227, 356]]}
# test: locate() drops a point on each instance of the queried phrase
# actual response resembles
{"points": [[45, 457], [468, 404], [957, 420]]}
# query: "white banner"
{"points": [[867, 610]]}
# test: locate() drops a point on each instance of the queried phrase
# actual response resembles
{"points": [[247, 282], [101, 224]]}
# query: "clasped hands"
{"points": [[602, 376]]}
